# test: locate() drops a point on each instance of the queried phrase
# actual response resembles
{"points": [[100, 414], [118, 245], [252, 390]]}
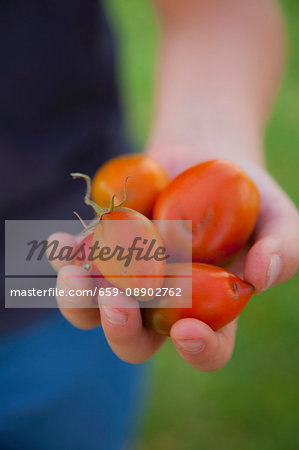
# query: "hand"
{"points": [[80, 310], [273, 257], [122, 325]]}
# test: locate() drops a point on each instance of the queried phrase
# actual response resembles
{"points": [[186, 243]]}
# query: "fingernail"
{"points": [[191, 345], [114, 316], [273, 272]]}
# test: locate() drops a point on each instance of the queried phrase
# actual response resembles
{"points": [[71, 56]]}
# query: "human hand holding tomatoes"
{"points": [[195, 341], [81, 274], [117, 324], [122, 324], [271, 257]]}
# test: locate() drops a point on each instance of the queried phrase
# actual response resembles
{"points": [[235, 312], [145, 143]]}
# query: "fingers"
{"points": [[122, 325], [76, 299], [75, 287], [200, 346], [64, 240], [274, 257]]}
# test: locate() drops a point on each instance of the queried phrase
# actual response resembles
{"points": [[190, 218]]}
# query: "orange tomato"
{"points": [[143, 268], [223, 204], [217, 297], [147, 180]]}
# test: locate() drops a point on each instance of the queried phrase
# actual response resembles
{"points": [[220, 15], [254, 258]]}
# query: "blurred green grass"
{"points": [[253, 403]]}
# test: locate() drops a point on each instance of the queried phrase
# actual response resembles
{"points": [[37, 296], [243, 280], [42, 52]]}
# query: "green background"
{"points": [[253, 403]]}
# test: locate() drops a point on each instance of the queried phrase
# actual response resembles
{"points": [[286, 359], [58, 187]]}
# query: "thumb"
{"points": [[274, 257]]}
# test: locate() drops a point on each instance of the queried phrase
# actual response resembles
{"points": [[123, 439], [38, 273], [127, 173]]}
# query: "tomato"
{"points": [[217, 296], [127, 248], [82, 252], [147, 180], [118, 231], [223, 204]]}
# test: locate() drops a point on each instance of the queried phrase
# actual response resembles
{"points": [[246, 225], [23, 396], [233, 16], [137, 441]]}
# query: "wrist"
{"points": [[177, 158]]}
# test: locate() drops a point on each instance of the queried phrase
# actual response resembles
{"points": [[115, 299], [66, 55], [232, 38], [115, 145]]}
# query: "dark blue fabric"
{"points": [[60, 388], [63, 389], [59, 112], [59, 106]]}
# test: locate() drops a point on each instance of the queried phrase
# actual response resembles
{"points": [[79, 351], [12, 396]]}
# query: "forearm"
{"points": [[219, 67]]}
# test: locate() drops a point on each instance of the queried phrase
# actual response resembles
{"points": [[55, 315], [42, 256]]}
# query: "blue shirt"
{"points": [[61, 388], [59, 112]]}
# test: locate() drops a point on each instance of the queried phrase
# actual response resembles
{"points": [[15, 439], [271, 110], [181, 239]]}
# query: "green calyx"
{"points": [[97, 209]]}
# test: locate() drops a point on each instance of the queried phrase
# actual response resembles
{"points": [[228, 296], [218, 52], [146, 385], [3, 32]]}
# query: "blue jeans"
{"points": [[62, 388]]}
